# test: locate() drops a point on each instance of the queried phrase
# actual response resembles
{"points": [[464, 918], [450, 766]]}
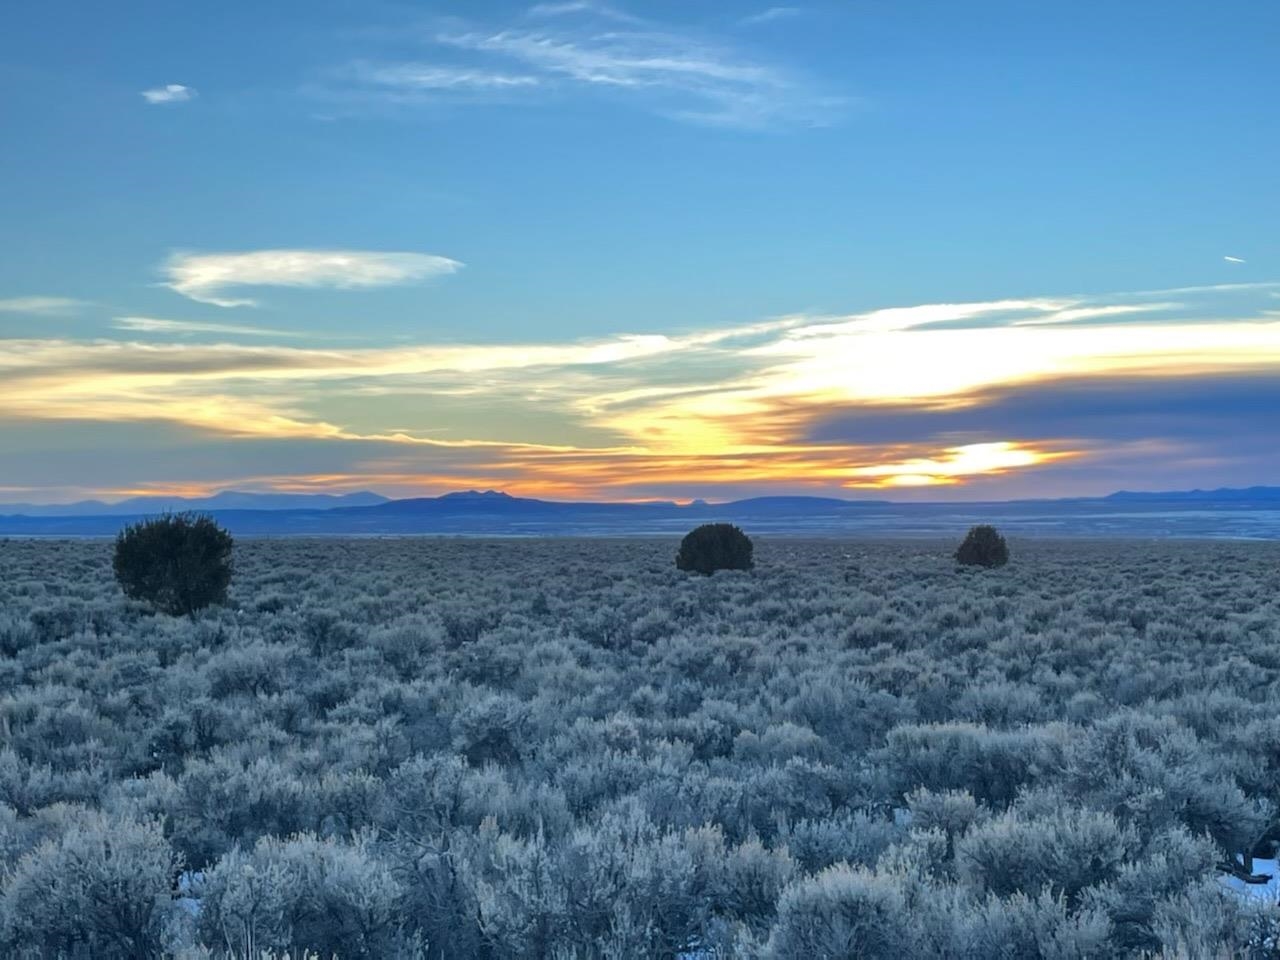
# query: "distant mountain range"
{"points": [[1252, 513], [1222, 494], [226, 500]]}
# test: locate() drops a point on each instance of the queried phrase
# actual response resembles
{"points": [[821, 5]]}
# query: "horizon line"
{"points": [[680, 502]]}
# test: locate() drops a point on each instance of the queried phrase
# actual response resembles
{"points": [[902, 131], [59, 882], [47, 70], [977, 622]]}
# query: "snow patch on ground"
{"points": [[1268, 892]]}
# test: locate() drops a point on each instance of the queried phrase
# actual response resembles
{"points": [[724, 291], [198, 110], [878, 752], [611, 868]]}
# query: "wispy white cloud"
{"points": [[1233, 259], [205, 277], [620, 59], [559, 9], [158, 325], [672, 70], [1213, 288], [169, 93], [1095, 312], [584, 7], [437, 77], [769, 15], [41, 306]]}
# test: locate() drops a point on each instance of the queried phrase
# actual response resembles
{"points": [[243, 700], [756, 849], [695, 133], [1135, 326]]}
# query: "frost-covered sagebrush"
{"points": [[429, 748]]}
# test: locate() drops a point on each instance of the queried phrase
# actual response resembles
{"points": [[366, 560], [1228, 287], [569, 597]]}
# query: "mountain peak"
{"points": [[477, 495]]}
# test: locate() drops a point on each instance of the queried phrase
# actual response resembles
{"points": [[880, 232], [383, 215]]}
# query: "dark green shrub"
{"points": [[715, 546], [179, 563], [983, 547]]}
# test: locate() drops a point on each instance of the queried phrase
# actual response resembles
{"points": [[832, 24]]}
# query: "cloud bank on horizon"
{"points": [[710, 250], [899, 398]]}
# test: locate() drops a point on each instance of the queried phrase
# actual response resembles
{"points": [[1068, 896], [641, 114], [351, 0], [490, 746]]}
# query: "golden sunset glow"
{"points": [[730, 406], [957, 463]]}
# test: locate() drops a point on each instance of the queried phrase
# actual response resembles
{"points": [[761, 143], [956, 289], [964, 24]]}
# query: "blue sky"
{"points": [[658, 249]]}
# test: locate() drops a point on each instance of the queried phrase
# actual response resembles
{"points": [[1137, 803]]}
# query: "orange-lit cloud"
{"points": [[730, 406]]}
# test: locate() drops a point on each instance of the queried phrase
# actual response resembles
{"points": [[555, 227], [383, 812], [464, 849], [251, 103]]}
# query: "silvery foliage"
{"points": [[567, 749]]}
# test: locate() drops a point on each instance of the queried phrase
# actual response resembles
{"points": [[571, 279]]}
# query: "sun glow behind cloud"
{"points": [[956, 463], [640, 415]]}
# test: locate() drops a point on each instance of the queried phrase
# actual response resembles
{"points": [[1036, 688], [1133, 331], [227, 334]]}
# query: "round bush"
{"points": [[715, 546], [99, 889], [179, 563], [983, 547], [842, 912]]}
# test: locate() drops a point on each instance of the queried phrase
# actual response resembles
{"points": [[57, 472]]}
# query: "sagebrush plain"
{"points": [[511, 749]]}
